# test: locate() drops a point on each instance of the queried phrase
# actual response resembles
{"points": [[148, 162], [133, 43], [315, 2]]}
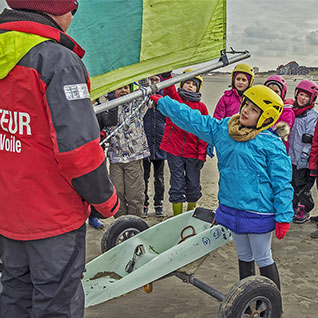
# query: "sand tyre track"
{"points": [[254, 296], [121, 230]]}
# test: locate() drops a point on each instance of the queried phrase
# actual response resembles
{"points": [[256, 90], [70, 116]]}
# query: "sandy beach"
{"points": [[296, 256]]}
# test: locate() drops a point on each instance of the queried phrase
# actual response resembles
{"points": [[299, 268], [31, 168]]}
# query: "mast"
{"points": [[155, 88]]}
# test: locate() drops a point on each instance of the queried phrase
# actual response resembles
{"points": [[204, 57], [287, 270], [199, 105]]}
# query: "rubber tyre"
{"points": [[254, 296], [121, 230]]}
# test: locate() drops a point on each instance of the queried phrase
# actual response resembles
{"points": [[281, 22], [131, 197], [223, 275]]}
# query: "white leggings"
{"points": [[256, 247]]}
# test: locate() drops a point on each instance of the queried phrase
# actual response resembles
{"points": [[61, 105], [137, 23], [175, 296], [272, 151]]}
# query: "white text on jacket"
{"points": [[15, 122]]}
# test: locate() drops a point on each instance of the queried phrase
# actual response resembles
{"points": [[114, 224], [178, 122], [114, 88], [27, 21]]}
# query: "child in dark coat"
{"points": [[154, 125]]}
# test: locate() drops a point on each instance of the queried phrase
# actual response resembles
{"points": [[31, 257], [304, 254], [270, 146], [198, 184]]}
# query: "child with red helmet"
{"points": [[287, 118], [300, 141]]}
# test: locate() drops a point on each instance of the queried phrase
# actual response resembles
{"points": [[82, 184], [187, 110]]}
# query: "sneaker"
{"points": [[314, 234], [314, 218], [301, 216], [95, 223], [159, 212], [145, 214]]}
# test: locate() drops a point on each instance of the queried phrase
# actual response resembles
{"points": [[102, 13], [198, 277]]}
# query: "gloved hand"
{"points": [[155, 98], [166, 75], [102, 134], [281, 229]]}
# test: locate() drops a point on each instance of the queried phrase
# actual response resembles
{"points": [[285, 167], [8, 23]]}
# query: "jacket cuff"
{"points": [[109, 207], [314, 173]]}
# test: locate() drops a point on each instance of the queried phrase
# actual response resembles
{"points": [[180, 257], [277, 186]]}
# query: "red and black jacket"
{"points": [[52, 167], [177, 141]]}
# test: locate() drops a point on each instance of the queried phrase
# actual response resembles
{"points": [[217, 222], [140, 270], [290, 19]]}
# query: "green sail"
{"points": [[128, 40]]}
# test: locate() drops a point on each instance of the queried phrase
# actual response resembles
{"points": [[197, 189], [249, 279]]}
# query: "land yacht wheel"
{"points": [[121, 230], [252, 297]]}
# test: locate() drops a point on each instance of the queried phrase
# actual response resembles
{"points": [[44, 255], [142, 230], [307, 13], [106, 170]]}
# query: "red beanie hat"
{"points": [[55, 7]]}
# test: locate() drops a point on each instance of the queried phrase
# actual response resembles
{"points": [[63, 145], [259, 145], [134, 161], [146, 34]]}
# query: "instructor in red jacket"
{"points": [[52, 167]]}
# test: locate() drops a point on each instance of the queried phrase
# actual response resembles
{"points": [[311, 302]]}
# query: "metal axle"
{"points": [[197, 283]]}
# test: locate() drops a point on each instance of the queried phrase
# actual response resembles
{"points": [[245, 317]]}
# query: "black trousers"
{"points": [[158, 173], [184, 179], [42, 278], [302, 183]]}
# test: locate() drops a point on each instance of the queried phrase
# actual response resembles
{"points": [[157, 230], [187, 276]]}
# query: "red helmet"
{"points": [[55, 7], [308, 87], [279, 81]]}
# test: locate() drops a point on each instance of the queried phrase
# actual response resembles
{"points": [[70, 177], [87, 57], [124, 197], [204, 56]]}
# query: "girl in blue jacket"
{"points": [[255, 194]]}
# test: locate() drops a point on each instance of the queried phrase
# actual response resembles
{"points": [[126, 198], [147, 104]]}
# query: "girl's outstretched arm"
{"points": [[190, 120]]}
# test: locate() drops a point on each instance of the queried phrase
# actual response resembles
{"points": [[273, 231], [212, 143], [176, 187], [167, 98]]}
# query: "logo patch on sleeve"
{"points": [[76, 91]]}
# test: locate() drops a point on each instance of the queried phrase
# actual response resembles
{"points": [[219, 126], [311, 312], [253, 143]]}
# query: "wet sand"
{"points": [[296, 257]]}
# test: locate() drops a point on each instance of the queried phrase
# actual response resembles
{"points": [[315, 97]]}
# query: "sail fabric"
{"points": [[129, 40]]}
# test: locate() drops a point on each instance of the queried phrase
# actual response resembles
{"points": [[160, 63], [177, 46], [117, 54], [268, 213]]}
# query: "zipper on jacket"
{"points": [[185, 134], [170, 133], [184, 140]]}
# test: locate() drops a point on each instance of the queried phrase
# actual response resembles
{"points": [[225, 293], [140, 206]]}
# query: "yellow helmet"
{"points": [[197, 77], [243, 68], [269, 103]]}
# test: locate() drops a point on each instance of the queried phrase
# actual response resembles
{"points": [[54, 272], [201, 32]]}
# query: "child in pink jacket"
{"points": [[278, 85], [229, 104]]}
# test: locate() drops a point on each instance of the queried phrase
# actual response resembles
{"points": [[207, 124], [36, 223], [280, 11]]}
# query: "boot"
{"points": [[159, 211], [177, 208], [271, 272], [95, 223], [191, 206], [246, 269]]}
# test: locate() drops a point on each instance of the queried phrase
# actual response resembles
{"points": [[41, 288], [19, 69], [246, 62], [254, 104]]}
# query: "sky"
{"points": [[275, 32]]}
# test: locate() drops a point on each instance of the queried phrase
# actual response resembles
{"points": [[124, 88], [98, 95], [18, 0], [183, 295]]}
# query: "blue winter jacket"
{"points": [[304, 124], [254, 175]]}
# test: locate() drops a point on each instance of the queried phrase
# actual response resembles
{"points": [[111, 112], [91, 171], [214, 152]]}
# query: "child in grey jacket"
{"points": [[300, 140]]}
